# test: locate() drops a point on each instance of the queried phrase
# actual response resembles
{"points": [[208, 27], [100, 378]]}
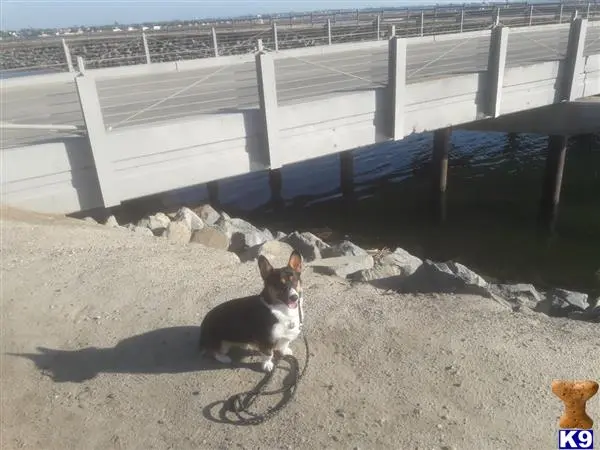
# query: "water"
{"points": [[494, 189]]}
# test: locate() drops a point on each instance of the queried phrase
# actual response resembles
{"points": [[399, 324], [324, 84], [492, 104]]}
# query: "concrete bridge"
{"points": [[126, 132]]}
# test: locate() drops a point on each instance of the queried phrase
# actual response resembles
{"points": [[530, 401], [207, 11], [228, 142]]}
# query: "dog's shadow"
{"points": [[166, 350]]}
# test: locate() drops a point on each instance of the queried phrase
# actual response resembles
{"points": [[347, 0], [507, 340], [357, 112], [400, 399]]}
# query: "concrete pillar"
{"points": [[422, 23], [392, 32], [212, 187], [396, 86], [378, 27], [80, 65], [267, 95], [462, 19], [441, 149], [555, 165], [347, 174], [574, 61], [96, 134], [276, 185], [329, 31], [496, 66], [68, 58]]}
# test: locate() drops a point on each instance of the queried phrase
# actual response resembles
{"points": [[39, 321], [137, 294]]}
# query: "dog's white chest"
{"points": [[288, 323]]}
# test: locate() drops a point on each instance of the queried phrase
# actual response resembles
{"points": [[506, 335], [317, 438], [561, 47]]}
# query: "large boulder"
{"points": [[191, 219], [562, 302], [344, 248], [309, 245], [394, 266], [244, 235], [445, 277], [342, 266], [208, 214], [179, 231], [156, 223], [519, 295], [277, 252], [210, 237]]}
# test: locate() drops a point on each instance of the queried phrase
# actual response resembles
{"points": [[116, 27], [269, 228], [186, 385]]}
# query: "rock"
{"points": [[590, 315], [561, 302], [90, 220], [210, 237], [277, 252], [208, 214], [268, 234], [342, 266], [179, 231], [190, 217], [112, 222], [245, 235], [397, 265], [157, 223], [279, 235], [142, 230], [307, 244], [519, 294], [445, 277], [344, 248]]}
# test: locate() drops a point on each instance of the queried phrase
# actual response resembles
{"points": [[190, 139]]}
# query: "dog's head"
{"points": [[282, 285]]}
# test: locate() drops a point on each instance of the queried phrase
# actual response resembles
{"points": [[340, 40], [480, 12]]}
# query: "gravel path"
{"points": [[98, 351]]}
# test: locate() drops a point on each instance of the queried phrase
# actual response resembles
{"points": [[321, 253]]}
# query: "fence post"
{"points": [[496, 66], [462, 19], [560, 13], [422, 22], [497, 18], [329, 31], [378, 27], [574, 61], [587, 15], [267, 95], [396, 86], [146, 48], [275, 40], [392, 31], [215, 42], [357, 17], [530, 15], [96, 133], [68, 56]]}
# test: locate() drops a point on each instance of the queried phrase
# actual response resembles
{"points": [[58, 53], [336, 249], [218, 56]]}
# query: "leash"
{"points": [[241, 403]]}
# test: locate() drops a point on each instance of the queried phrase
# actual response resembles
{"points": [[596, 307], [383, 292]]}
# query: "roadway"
{"points": [[128, 101]]}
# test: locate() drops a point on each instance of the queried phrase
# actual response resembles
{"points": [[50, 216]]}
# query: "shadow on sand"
{"points": [[165, 350]]}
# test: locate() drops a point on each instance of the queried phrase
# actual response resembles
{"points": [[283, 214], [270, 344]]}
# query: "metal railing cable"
{"points": [[175, 94]]}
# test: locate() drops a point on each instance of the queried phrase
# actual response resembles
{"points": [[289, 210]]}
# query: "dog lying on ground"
{"points": [[269, 321]]}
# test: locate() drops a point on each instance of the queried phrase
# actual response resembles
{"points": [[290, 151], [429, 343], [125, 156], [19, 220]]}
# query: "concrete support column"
{"points": [[396, 86], [96, 134], [276, 185], [496, 66], [441, 149], [574, 62], [329, 31], [267, 94], [555, 165], [347, 174], [212, 188]]}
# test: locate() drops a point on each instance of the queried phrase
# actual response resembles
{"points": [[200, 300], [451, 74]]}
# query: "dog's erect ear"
{"points": [[295, 261], [264, 266]]}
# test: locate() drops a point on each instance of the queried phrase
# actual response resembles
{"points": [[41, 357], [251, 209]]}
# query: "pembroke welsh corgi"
{"points": [[268, 321]]}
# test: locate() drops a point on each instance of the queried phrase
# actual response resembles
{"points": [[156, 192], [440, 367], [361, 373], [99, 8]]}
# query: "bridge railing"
{"points": [[224, 38]]}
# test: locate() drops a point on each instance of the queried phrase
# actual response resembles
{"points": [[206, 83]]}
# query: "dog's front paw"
{"points": [[286, 351], [268, 365]]}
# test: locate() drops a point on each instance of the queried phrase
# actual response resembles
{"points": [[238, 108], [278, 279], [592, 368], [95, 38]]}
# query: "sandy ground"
{"points": [[99, 332]]}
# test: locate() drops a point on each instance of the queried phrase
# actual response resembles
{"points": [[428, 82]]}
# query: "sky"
{"points": [[17, 14]]}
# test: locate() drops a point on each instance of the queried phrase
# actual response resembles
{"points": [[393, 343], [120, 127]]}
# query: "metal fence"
{"points": [[236, 37]]}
